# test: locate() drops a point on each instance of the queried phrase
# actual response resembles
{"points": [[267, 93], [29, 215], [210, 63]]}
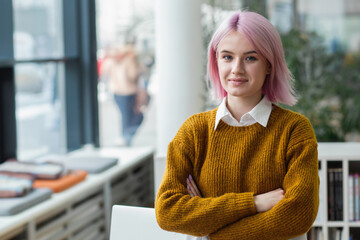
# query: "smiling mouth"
{"points": [[238, 80]]}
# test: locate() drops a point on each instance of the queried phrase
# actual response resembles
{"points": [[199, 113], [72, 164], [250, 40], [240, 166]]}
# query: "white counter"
{"points": [[128, 157]]}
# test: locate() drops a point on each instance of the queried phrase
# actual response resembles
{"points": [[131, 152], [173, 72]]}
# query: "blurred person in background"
{"points": [[122, 70]]}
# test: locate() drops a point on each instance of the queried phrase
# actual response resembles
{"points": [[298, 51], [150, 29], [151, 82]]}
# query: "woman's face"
{"points": [[242, 70]]}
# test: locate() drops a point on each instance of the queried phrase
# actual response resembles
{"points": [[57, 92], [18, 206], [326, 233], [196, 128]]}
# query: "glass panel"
{"points": [[37, 29], [39, 115], [125, 33], [322, 48]]}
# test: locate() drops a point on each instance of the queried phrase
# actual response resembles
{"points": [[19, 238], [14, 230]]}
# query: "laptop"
{"points": [[137, 223]]}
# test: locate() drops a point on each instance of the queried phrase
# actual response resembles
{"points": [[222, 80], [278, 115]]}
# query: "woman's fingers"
{"points": [[190, 191], [192, 187]]}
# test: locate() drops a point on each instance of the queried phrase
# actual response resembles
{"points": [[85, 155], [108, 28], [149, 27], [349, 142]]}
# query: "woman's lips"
{"points": [[238, 80]]}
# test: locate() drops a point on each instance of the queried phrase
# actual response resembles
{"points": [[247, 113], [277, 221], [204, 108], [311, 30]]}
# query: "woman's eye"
{"points": [[227, 57], [250, 58]]}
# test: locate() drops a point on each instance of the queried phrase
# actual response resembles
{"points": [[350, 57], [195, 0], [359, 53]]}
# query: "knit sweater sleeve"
{"points": [[295, 213], [176, 211]]}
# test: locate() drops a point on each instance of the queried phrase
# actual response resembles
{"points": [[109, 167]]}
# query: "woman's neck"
{"points": [[238, 106]]}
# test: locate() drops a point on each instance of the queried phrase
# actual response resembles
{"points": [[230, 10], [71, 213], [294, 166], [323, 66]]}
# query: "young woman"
{"points": [[247, 169]]}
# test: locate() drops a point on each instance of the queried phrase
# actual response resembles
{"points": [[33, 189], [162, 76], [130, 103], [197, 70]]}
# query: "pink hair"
{"points": [[262, 35]]}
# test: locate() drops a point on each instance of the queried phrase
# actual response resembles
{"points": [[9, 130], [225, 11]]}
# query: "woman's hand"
{"points": [[264, 202], [192, 189]]}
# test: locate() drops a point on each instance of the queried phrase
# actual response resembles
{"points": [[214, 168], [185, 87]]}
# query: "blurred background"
{"points": [[127, 73], [322, 47]]}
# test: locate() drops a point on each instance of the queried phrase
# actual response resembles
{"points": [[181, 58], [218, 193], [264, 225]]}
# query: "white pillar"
{"points": [[179, 66]]}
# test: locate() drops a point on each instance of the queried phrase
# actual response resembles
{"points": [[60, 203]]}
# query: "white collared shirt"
{"points": [[259, 114]]}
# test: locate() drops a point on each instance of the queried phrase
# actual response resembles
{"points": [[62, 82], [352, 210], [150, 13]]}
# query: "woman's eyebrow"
{"points": [[245, 53], [250, 52], [225, 51]]}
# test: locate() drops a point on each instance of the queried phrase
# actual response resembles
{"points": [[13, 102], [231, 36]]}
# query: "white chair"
{"points": [[137, 223]]}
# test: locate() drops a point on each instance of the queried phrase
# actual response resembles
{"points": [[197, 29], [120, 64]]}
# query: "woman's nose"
{"points": [[238, 67]]}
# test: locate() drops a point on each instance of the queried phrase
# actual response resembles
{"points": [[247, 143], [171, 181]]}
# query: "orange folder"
{"points": [[63, 183]]}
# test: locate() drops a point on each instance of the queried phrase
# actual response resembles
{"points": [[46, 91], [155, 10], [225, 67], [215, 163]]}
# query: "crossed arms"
{"points": [[279, 214]]}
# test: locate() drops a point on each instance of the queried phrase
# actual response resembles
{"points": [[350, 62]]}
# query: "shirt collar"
{"points": [[221, 112], [260, 113]]}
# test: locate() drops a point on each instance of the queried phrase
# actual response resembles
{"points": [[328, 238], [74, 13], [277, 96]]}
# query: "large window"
{"points": [[124, 25], [39, 116], [38, 29], [48, 77], [39, 109]]}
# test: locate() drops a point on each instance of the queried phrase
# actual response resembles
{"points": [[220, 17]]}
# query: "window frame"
{"points": [[80, 66]]}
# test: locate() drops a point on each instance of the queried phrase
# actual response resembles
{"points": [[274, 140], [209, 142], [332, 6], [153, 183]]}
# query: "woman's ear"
{"points": [[268, 69]]}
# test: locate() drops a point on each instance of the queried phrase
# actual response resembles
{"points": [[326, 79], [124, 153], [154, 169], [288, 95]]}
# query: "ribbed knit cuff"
{"points": [[245, 204]]}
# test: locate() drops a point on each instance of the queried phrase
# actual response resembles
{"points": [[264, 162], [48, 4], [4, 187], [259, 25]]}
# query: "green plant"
{"points": [[327, 85]]}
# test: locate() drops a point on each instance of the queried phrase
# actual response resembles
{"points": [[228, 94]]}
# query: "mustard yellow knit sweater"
{"points": [[230, 166]]}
